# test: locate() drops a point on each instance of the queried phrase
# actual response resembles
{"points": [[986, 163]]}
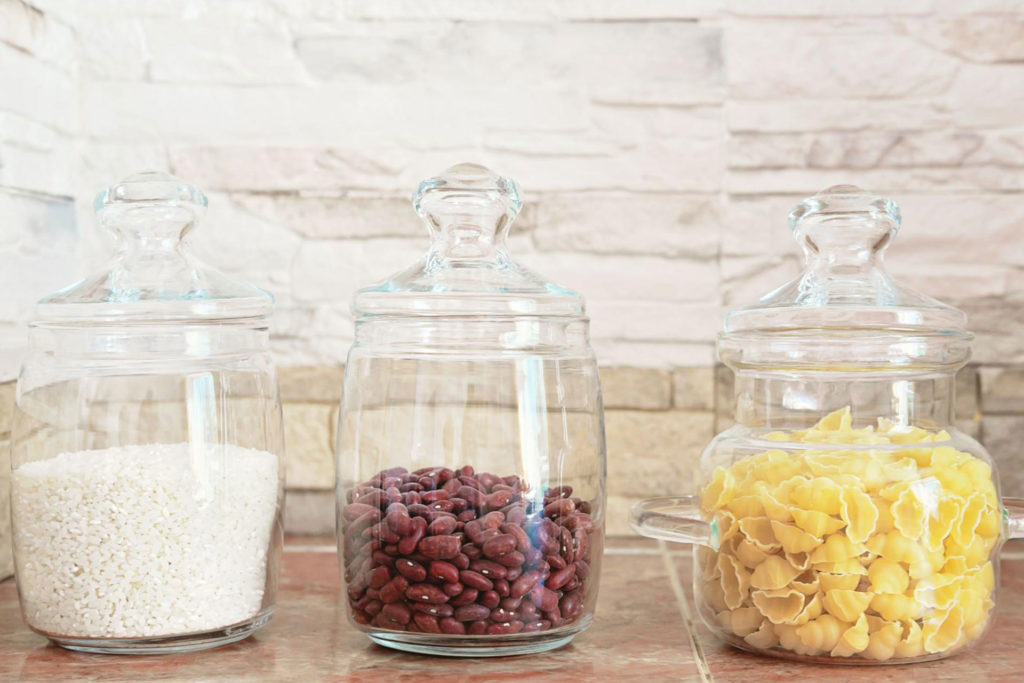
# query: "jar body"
{"points": [[471, 485], [147, 485], [861, 535]]}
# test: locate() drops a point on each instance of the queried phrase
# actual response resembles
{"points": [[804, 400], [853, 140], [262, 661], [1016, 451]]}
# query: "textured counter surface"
{"points": [[643, 631]]}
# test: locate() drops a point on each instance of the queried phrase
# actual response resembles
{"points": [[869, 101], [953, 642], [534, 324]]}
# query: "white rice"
{"points": [[140, 541]]}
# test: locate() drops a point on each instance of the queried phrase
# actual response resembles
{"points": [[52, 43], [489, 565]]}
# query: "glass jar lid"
{"points": [[154, 277], [468, 270], [845, 310]]}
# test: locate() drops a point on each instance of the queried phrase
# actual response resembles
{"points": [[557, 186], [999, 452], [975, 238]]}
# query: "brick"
{"points": [[693, 388], [35, 157], [850, 59], [310, 455], [308, 384], [986, 95], [653, 354], [1002, 390], [636, 388], [6, 557], [975, 38], [350, 216], [998, 324], [309, 512], [37, 90], [847, 113], [828, 8], [654, 453], [673, 225], [654, 321], [1002, 436], [6, 408], [38, 32]]}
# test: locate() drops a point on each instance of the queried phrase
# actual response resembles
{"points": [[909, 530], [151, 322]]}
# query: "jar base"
{"points": [[175, 644], [478, 646]]}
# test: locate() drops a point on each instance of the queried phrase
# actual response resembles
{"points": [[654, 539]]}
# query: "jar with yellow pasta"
{"points": [[844, 517]]}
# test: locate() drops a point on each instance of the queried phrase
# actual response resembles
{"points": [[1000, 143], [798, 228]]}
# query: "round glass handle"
{"points": [[676, 518], [1013, 517]]}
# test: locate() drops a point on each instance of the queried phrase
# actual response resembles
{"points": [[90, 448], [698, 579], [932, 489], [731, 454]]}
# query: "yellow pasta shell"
{"points": [[819, 494], [887, 576], [821, 634], [774, 573], [912, 643], [837, 548], [838, 581], [944, 630], [764, 637], [846, 605], [853, 640], [794, 539], [759, 531], [883, 638], [735, 581], [816, 523], [860, 514], [779, 606]]}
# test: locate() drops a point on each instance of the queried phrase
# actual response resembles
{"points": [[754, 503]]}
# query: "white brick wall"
{"points": [[659, 144]]}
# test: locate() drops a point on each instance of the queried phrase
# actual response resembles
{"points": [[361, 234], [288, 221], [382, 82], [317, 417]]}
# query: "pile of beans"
{"points": [[455, 552]]}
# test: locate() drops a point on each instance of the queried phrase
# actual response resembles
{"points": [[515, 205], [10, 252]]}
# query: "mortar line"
{"points": [[684, 612]]}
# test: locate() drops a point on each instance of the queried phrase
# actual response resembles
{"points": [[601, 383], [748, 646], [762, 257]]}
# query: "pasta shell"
{"points": [[793, 538], [940, 523], [838, 581], [745, 620], [963, 529], [713, 595], [853, 640], [859, 513], [908, 514], [735, 581], [719, 491], [893, 607], [819, 494], [774, 573], [749, 554], [846, 605], [837, 548], [816, 523], [759, 531], [779, 606], [821, 634], [764, 637], [887, 576], [746, 506], [943, 631], [812, 610], [883, 638], [912, 643]]}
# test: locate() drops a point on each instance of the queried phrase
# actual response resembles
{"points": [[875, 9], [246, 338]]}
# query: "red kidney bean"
{"points": [[512, 559], [452, 627], [442, 610], [489, 599], [473, 496], [378, 577], [354, 511], [505, 628], [444, 571], [571, 605], [522, 538], [418, 546], [397, 612], [427, 623], [561, 577], [476, 580], [500, 614], [440, 547], [492, 520], [472, 613], [393, 590], [408, 544], [526, 583], [466, 597], [544, 598], [410, 569], [498, 545], [442, 526], [499, 499], [491, 570], [425, 592]]}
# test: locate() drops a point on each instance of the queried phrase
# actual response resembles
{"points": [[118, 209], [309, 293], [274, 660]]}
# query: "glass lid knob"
{"points": [[468, 209], [150, 209], [844, 226]]}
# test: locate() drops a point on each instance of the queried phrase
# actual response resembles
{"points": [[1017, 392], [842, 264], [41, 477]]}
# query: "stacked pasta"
{"points": [[877, 551]]}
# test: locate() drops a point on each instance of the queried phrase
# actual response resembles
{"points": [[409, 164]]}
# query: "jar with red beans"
{"points": [[471, 452]]}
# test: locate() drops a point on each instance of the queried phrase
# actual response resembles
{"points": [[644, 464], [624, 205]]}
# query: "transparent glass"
{"points": [[843, 519], [471, 455], [147, 449]]}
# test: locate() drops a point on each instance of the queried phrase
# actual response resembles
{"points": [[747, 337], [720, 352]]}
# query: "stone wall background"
{"points": [[659, 145]]}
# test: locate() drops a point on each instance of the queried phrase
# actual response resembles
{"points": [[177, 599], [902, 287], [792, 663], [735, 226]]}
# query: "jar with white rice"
{"points": [[147, 453]]}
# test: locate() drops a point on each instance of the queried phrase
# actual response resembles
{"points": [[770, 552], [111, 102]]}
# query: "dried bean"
{"points": [[477, 628], [502, 587], [440, 547], [452, 627], [408, 544], [378, 577], [427, 623], [490, 599], [444, 571], [414, 571], [397, 612], [472, 613], [506, 628], [466, 597], [393, 590], [561, 577], [425, 592], [499, 545], [476, 580]]}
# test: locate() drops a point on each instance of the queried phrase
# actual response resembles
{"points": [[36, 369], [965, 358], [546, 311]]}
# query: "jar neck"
{"points": [[785, 401]]}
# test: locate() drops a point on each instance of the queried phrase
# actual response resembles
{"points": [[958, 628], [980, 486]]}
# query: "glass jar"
{"points": [[844, 518], [147, 455], [471, 455]]}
